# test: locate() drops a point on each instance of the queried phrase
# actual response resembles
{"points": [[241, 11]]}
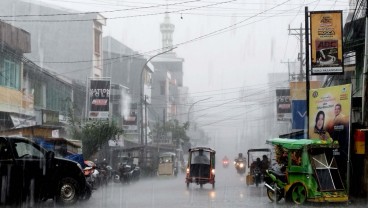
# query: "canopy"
{"points": [[300, 143], [167, 154]]}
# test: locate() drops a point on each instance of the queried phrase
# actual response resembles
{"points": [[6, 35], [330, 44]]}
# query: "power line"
{"points": [[123, 17], [94, 12]]}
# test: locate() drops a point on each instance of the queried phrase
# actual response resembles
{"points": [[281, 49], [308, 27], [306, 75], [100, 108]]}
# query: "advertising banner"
{"points": [[297, 89], [329, 110], [99, 97], [283, 104], [326, 42], [299, 112]]}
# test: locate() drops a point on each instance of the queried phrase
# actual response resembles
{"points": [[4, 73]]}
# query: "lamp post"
{"points": [[191, 106], [143, 99]]}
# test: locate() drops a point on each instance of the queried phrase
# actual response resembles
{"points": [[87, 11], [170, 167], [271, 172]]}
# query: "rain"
{"points": [[106, 103]]}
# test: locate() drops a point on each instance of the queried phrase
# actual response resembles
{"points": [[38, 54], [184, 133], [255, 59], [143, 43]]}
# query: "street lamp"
{"points": [[191, 106], [142, 99]]}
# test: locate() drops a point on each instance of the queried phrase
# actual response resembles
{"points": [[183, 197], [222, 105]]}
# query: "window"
{"points": [[97, 42], [10, 75], [26, 150]]}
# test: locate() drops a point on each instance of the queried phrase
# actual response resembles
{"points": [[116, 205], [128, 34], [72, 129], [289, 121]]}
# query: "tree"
{"points": [[178, 131], [95, 134]]}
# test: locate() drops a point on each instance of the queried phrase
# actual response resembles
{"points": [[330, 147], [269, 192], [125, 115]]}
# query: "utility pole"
{"points": [[365, 71], [288, 64], [299, 33]]}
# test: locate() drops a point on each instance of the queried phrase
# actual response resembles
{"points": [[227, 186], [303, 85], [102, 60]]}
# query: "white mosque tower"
{"points": [[167, 30]]}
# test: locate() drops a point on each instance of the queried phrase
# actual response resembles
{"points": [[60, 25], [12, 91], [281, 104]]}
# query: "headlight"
{"points": [[241, 165], [188, 170], [213, 171]]}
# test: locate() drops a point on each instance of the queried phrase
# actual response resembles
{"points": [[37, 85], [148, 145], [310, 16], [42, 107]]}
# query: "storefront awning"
{"points": [[20, 121]]}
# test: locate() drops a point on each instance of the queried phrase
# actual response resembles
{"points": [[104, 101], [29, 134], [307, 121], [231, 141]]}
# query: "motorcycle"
{"points": [[257, 174], [225, 162], [128, 173], [275, 181], [240, 166]]}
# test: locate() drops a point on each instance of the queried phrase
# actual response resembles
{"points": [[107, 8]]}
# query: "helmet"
{"points": [[240, 154]]}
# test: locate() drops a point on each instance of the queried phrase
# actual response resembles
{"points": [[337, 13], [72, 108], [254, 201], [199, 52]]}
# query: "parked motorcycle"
{"points": [[128, 173], [102, 174]]}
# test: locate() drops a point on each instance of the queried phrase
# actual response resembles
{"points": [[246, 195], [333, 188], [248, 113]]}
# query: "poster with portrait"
{"points": [[329, 112], [326, 42], [329, 117]]}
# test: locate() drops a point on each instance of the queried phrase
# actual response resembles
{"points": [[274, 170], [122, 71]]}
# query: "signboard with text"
{"points": [[99, 98], [283, 104], [326, 42]]}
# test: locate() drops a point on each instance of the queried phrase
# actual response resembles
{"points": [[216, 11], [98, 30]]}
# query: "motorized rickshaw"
{"points": [[259, 161], [201, 166], [168, 164], [308, 172]]}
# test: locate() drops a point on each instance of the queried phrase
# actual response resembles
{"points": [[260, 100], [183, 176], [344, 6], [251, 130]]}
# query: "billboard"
{"points": [[99, 98], [329, 118], [283, 107], [326, 42]]}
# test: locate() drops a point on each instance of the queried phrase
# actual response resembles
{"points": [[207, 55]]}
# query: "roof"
{"points": [[300, 143], [202, 148], [260, 150]]}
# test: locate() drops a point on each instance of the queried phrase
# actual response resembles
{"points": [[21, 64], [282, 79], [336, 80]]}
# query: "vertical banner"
{"points": [[99, 97], [329, 110], [326, 42], [299, 112], [283, 104]]}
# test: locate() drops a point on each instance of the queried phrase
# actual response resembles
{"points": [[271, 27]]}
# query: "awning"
{"points": [[20, 121]]}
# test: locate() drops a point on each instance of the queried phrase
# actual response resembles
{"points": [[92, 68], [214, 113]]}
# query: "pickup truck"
{"points": [[30, 174]]}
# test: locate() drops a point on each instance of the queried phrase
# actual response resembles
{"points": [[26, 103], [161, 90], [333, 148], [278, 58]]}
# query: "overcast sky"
{"points": [[226, 44]]}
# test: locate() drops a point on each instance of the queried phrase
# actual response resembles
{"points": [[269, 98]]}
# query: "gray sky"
{"points": [[226, 44]]}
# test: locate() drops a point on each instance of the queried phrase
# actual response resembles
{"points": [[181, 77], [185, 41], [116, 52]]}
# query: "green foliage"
{"points": [[95, 134], [178, 131]]}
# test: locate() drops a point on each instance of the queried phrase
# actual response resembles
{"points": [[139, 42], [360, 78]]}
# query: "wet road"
{"points": [[164, 192]]}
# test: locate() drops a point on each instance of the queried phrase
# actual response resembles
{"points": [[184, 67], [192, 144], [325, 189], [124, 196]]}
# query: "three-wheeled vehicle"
{"points": [[168, 164], [309, 172], [201, 166], [259, 161]]}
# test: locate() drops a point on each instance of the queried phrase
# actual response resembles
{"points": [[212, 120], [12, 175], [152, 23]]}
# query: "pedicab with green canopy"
{"points": [[310, 172]]}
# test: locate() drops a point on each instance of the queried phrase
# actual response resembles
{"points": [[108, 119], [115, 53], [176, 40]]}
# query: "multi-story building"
{"points": [[14, 98], [34, 101], [68, 44], [127, 68]]}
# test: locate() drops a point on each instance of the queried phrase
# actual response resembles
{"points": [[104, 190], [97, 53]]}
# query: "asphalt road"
{"points": [[171, 192]]}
